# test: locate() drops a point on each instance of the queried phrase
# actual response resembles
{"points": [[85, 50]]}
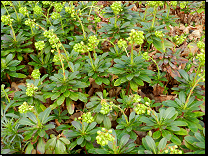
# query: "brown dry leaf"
{"points": [[191, 48], [92, 82], [174, 73], [77, 114], [195, 35], [159, 99], [157, 90]]}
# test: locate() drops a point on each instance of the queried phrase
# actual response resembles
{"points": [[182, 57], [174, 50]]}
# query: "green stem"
{"points": [[154, 16], [115, 25], [196, 74], [132, 59], [15, 11], [122, 113], [81, 26], [187, 100], [91, 61], [163, 45], [168, 11], [158, 70], [59, 54], [6, 95], [145, 13]]}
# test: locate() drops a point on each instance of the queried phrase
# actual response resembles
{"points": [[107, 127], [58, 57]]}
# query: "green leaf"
{"points": [[184, 74], [133, 86], [55, 95], [117, 82], [63, 89], [130, 76], [9, 58], [43, 115], [76, 125], [169, 113], [124, 140], [80, 140], [175, 140], [41, 133], [98, 80], [32, 117], [179, 123], [29, 148], [26, 121], [60, 147], [61, 99], [166, 134], [66, 93], [162, 144], [51, 143], [168, 44], [151, 143], [41, 146], [181, 132], [91, 126], [70, 105], [106, 81], [138, 81], [107, 122], [145, 78], [99, 118], [64, 140], [156, 134], [74, 96]]}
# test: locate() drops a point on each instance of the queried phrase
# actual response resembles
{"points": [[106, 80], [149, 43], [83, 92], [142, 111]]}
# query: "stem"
{"points": [[62, 25], [132, 59], [59, 53], [163, 45], [6, 95], [122, 112], [158, 70], [15, 11], [154, 16], [81, 26], [115, 21], [91, 61], [168, 11], [10, 24], [145, 13], [127, 89], [187, 100]]}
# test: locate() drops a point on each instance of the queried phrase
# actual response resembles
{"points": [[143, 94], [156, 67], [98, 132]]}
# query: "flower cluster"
{"points": [[201, 58], [137, 98], [93, 42], [173, 3], [106, 108], [53, 39], [46, 2], [30, 23], [71, 11], [23, 10], [136, 37], [116, 7], [122, 44], [141, 109], [146, 56], [30, 89], [179, 40], [173, 150], [58, 6], [104, 136], [159, 34], [25, 107], [36, 74], [80, 47], [6, 19], [154, 3], [97, 19], [37, 10], [87, 117], [55, 15], [183, 4], [39, 45]]}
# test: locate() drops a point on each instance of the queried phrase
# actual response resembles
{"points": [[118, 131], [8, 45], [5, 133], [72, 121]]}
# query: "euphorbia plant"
{"points": [[132, 69]]}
